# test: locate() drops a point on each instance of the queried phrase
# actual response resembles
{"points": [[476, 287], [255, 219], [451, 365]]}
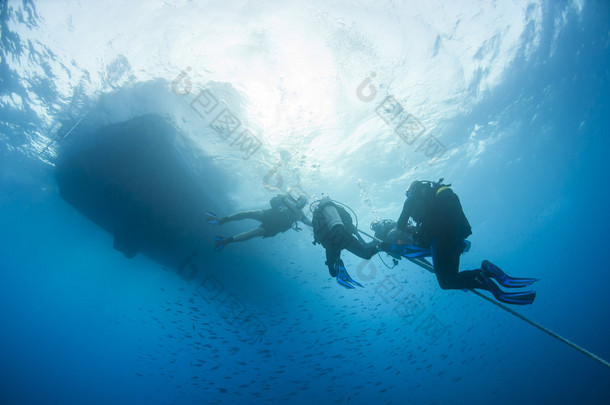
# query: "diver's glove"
{"points": [[343, 279]]}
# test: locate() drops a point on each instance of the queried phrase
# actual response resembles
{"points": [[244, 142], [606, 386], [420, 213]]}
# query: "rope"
{"points": [[370, 236], [545, 330], [549, 332]]}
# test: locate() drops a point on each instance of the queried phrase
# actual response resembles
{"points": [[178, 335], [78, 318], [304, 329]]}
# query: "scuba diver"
{"points": [[440, 224], [284, 213], [334, 229]]}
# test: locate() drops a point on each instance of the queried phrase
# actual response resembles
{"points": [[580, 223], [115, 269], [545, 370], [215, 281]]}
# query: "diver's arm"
{"points": [[357, 234], [403, 221], [306, 220]]}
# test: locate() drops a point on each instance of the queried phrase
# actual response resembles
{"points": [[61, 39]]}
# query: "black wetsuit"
{"points": [[340, 236], [442, 225], [276, 220], [283, 215]]}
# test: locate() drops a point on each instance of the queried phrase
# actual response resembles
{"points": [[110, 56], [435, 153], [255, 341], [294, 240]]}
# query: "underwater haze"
{"points": [[174, 108]]}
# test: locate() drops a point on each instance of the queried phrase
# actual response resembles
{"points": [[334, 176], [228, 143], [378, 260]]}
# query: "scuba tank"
{"points": [[444, 208], [326, 215]]}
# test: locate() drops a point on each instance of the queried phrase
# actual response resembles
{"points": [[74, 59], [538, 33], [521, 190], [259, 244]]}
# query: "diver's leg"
{"points": [[446, 264], [222, 242], [447, 268], [253, 233], [253, 214], [334, 242], [332, 255]]}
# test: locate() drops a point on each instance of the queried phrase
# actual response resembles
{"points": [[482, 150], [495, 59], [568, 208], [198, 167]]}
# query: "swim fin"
{"points": [[220, 243], [516, 298], [343, 278], [211, 217], [493, 271], [409, 251]]}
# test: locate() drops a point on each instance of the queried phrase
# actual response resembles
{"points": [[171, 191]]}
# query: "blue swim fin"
{"points": [[493, 271], [211, 217], [516, 298], [343, 278], [344, 283], [219, 243], [410, 251]]}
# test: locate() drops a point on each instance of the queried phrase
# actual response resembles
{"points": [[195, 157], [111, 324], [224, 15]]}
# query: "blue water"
{"points": [[514, 98]]}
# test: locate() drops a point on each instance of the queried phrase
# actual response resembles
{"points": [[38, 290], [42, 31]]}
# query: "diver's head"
{"points": [[415, 188], [375, 225], [301, 202]]}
